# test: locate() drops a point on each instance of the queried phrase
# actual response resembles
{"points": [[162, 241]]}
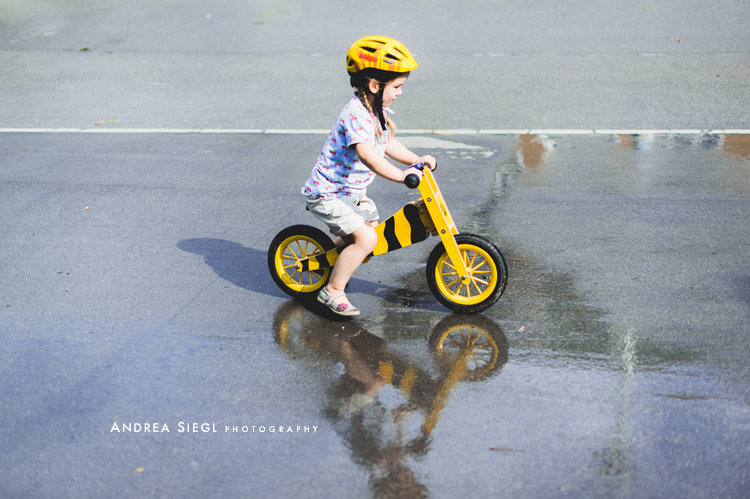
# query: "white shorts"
{"points": [[344, 214]]}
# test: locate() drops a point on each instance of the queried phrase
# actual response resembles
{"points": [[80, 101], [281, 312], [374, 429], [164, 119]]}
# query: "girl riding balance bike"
{"points": [[465, 272]]}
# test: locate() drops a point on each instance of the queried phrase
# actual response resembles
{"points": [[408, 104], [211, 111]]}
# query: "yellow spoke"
{"points": [[470, 263], [481, 264], [299, 247], [446, 262], [290, 250], [452, 283], [476, 279]]}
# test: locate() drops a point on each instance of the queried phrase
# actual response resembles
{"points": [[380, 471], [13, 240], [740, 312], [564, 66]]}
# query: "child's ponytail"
{"points": [[360, 81]]}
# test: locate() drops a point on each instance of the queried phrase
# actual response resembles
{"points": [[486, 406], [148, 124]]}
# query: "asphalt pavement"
{"points": [[483, 65], [148, 353]]}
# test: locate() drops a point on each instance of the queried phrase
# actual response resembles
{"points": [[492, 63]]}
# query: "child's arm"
{"points": [[381, 166], [398, 152]]}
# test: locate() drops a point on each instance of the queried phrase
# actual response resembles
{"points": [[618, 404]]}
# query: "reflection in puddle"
{"points": [[384, 403], [615, 459], [532, 150], [734, 145], [737, 146]]}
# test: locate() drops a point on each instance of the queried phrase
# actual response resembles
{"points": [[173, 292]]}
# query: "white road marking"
{"points": [[305, 131]]}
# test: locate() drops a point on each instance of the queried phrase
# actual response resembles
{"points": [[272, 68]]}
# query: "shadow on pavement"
{"points": [[248, 267], [242, 266]]}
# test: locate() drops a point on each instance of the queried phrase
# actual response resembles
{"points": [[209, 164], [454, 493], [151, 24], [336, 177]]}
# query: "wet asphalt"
{"points": [[146, 351], [136, 291]]}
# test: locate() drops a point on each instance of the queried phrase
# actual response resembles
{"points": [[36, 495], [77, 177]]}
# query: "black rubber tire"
{"points": [[493, 264], [291, 243]]}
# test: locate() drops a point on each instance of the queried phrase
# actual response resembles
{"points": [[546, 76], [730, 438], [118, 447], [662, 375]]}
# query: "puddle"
{"points": [[386, 401]]}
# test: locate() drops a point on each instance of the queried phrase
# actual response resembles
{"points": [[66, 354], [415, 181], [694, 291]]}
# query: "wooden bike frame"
{"points": [[413, 223]]}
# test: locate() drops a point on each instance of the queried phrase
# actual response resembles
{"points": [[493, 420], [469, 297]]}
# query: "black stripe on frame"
{"points": [[418, 232], [322, 260], [390, 234]]}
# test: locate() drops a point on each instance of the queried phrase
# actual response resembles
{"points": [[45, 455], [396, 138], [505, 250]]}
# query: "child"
{"points": [[354, 153]]}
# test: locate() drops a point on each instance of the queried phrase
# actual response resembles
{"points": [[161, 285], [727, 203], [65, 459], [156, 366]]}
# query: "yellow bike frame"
{"points": [[411, 224]]}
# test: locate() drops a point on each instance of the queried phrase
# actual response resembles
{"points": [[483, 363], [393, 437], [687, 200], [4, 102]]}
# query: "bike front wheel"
{"points": [[485, 284], [474, 344], [291, 245]]}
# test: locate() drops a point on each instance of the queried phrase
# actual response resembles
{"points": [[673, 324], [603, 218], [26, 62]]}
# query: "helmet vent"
{"points": [[369, 49]]}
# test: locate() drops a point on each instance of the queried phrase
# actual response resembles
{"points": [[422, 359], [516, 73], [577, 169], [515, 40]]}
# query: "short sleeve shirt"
{"points": [[339, 171]]}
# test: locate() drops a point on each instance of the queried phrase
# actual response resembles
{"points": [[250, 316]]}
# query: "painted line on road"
{"points": [[434, 131]]}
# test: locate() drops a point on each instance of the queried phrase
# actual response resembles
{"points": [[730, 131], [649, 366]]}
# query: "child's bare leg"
{"points": [[364, 240], [348, 239]]}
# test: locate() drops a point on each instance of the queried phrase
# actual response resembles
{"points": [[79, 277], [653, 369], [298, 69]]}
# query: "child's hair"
{"points": [[361, 79]]}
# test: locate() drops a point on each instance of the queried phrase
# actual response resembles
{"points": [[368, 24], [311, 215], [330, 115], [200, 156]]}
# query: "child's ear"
{"points": [[373, 86]]}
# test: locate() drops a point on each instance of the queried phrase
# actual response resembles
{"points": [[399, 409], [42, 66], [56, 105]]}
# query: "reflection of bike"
{"points": [[465, 272], [386, 403], [464, 347], [472, 347]]}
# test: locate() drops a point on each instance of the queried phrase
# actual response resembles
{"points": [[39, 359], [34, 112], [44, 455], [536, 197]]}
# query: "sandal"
{"points": [[346, 309]]}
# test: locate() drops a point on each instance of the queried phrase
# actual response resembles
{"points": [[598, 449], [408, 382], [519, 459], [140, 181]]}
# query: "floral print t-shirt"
{"points": [[339, 171]]}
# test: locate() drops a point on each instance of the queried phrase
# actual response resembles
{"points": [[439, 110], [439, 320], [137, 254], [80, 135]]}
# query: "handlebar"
{"points": [[412, 180]]}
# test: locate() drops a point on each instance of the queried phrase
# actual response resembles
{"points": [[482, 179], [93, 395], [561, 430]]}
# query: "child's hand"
{"points": [[428, 160]]}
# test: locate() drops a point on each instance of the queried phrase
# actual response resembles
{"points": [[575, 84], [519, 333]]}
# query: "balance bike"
{"points": [[465, 272]]}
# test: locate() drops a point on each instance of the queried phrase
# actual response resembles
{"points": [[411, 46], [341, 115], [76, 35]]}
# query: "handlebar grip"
{"points": [[412, 181]]}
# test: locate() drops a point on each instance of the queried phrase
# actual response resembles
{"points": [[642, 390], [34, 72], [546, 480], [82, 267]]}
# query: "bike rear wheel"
{"points": [[485, 283], [291, 245]]}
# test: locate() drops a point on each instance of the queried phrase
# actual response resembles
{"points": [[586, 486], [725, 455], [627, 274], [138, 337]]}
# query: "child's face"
{"points": [[393, 90]]}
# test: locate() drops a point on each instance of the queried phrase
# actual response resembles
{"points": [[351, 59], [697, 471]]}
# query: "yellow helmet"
{"points": [[379, 52]]}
